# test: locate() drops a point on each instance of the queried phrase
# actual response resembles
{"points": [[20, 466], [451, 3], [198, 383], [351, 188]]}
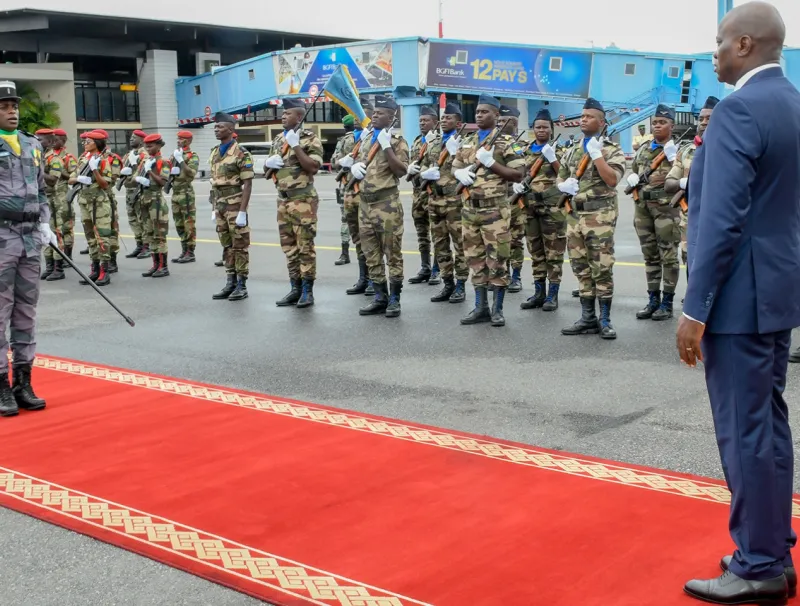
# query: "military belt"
{"points": [[379, 196], [13, 216], [654, 195], [592, 205], [495, 201], [444, 191], [225, 191], [295, 194], [548, 197]]}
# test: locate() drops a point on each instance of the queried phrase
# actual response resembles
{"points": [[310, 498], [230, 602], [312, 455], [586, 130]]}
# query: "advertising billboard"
{"points": [[509, 70], [307, 71]]}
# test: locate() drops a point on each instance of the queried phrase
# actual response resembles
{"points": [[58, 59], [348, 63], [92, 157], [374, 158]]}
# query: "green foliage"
{"points": [[35, 113]]}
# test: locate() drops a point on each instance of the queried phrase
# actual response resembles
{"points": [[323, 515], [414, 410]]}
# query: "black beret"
{"points": [[544, 114], [487, 100], [293, 104], [365, 103], [385, 102], [593, 104], [427, 110], [711, 103], [663, 111], [453, 109], [223, 117], [505, 110]]}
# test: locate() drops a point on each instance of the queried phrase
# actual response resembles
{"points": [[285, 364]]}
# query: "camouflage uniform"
{"points": [[95, 205], [153, 203], [517, 229], [184, 210], [344, 146], [419, 209], [680, 169], [116, 166], [53, 167], [352, 200], [227, 174], [136, 217]]}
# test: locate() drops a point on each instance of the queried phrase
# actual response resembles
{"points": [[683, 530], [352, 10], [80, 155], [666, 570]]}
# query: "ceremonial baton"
{"points": [[92, 284]]}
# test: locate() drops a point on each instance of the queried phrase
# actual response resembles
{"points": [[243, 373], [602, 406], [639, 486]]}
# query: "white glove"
{"points": [[683, 183], [126, 171], [633, 179], [570, 186], [292, 139], [465, 176], [519, 188], [549, 153], [431, 174], [385, 138], [430, 136], [274, 161], [94, 162], [214, 216], [143, 181], [48, 237], [85, 179], [413, 169], [133, 158], [595, 148], [453, 145], [358, 170], [148, 166], [175, 170], [241, 219], [485, 156], [670, 150], [346, 161], [178, 155]]}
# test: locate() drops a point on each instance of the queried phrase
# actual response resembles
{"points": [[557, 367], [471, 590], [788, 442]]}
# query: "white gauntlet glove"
{"points": [[85, 179], [683, 183], [346, 161], [143, 181], [413, 169], [465, 176], [358, 170], [549, 153], [431, 174], [670, 150], [385, 138], [241, 219], [633, 180], [94, 162], [178, 155], [519, 188], [274, 161], [595, 148], [569, 187], [127, 171], [175, 170], [485, 157], [292, 139], [453, 145]]}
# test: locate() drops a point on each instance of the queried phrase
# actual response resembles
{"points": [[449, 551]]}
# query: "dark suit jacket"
{"points": [[744, 212]]}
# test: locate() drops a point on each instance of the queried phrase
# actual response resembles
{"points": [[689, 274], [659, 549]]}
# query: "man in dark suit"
{"points": [[743, 298]]}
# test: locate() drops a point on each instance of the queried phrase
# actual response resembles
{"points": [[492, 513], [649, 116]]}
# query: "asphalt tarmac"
{"points": [[628, 400]]}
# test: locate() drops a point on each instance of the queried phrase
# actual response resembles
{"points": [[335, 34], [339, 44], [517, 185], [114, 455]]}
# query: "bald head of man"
{"points": [[749, 36]]}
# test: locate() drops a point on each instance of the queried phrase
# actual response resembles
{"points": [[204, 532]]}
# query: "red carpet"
{"points": [[301, 504]]}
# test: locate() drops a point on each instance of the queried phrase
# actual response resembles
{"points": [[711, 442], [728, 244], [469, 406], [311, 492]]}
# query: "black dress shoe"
{"points": [[789, 572], [730, 589]]}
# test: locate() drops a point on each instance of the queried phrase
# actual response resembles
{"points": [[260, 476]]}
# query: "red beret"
{"points": [[60, 132], [152, 138], [102, 132], [44, 131], [140, 133], [96, 135], [185, 134], [83, 135]]}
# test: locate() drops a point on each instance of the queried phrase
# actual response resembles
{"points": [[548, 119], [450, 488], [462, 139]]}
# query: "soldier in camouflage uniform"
{"points": [[419, 205], [509, 118], [546, 226], [115, 162], [24, 229], [52, 172], [183, 169], [444, 208], [344, 146], [678, 176], [136, 219], [382, 160], [93, 177], [231, 185], [592, 196], [152, 175], [64, 219], [298, 161], [485, 217]]}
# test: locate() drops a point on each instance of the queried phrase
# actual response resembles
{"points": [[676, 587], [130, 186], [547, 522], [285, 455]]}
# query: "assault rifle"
{"points": [[644, 178], [127, 165], [415, 179], [534, 171], [445, 154], [373, 151], [476, 165], [77, 187], [353, 154], [270, 172], [566, 199], [142, 173]]}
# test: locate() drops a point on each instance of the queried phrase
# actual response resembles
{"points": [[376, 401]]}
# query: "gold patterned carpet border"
{"points": [[285, 576], [608, 472]]}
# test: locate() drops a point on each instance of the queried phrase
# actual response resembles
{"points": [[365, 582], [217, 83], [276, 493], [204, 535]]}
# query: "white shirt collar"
{"points": [[744, 79]]}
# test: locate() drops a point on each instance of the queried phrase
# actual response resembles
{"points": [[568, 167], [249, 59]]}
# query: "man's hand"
{"points": [[133, 158], [148, 166], [569, 187], [127, 171], [358, 170], [143, 181], [465, 176], [430, 136], [385, 138], [549, 153], [485, 156], [453, 145], [48, 237], [633, 179], [241, 219], [670, 150], [85, 179], [431, 174], [690, 333], [292, 138], [683, 183], [595, 148], [274, 161], [346, 161], [519, 188], [175, 170], [94, 162], [178, 155], [413, 169], [214, 216]]}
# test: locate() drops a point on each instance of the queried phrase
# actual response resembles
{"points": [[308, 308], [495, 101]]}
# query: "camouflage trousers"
{"points": [[590, 241], [658, 227], [297, 228], [235, 240], [19, 294], [97, 226], [156, 226], [381, 227], [135, 217], [445, 218], [684, 225], [114, 219], [422, 222], [546, 230], [62, 222], [486, 234], [184, 214], [344, 229], [518, 220], [352, 212]]}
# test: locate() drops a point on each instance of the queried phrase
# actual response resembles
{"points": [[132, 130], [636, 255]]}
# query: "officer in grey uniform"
{"points": [[24, 230]]}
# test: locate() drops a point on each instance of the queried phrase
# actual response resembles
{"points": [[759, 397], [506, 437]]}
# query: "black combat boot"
{"points": [[68, 252], [447, 290], [606, 328], [230, 286], [588, 324], [460, 293], [434, 279], [361, 284], [145, 252], [153, 268], [163, 267], [424, 273], [664, 311], [112, 264], [481, 312], [294, 294], [135, 252], [344, 258], [94, 272], [85, 251], [516, 281], [393, 308], [104, 277], [241, 289], [551, 302], [379, 304], [652, 305], [576, 293], [370, 292], [23, 390], [58, 271], [537, 300], [498, 319], [189, 256], [179, 258], [8, 403], [48, 269], [307, 294], [221, 262]]}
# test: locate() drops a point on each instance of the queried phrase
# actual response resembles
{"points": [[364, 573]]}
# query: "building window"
{"points": [[630, 69], [555, 64], [105, 102], [117, 140], [674, 71], [196, 89], [251, 74]]}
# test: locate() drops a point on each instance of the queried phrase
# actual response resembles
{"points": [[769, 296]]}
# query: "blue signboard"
{"points": [[509, 70]]}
